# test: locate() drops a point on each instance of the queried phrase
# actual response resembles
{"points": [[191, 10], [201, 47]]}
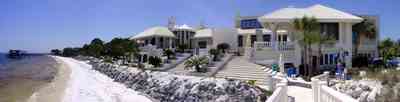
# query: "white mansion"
{"points": [[263, 38]]}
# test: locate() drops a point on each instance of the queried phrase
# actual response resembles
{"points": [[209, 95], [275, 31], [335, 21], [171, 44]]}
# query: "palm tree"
{"points": [[307, 33], [365, 28], [169, 53], [387, 49], [196, 62]]}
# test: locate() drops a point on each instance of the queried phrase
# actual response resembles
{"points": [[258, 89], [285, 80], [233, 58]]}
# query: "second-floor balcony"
{"points": [[279, 46]]}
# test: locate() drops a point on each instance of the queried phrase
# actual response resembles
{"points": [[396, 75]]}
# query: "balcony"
{"points": [[281, 46]]}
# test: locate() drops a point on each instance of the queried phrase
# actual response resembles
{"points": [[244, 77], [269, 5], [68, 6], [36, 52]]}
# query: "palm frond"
{"points": [[365, 28], [195, 61]]}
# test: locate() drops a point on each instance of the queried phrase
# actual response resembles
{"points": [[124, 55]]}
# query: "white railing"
{"points": [[262, 44], [323, 93], [282, 46], [328, 94], [201, 51], [280, 90]]}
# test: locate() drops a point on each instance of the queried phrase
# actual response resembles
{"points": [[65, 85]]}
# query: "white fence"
{"points": [[280, 90], [323, 93], [282, 46]]}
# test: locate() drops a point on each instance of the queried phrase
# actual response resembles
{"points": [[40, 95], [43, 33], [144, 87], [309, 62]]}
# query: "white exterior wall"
{"points": [[345, 43], [346, 40], [225, 35]]}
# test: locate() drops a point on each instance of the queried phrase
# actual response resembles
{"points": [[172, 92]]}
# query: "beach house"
{"points": [[263, 39], [267, 36]]}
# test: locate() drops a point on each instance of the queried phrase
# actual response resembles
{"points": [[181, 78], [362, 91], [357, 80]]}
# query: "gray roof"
{"points": [[204, 33], [154, 31], [320, 12]]}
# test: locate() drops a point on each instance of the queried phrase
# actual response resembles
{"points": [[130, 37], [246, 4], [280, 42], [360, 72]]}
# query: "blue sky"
{"points": [[41, 25]]}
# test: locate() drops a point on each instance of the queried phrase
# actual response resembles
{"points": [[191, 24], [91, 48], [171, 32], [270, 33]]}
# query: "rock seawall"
{"points": [[167, 87]]}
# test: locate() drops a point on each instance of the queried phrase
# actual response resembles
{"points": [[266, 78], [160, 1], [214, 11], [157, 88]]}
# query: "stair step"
{"points": [[241, 68], [264, 82], [243, 72], [242, 77]]}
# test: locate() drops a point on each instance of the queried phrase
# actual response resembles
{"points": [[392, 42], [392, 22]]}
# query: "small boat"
{"points": [[16, 54]]}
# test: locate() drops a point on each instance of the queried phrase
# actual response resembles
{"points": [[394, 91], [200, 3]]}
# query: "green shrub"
{"points": [[169, 53], [215, 53], [223, 47], [56, 52], [268, 93], [182, 47], [155, 61], [70, 52], [197, 62], [108, 60], [252, 82]]}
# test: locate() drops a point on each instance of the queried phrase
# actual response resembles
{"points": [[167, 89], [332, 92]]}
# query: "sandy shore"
{"points": [[60, 79], [88, 85], [25, 77], [54, 91]]}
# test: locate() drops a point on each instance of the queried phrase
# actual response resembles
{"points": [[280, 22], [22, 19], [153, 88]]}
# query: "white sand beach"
{"points": [[86, 85], [53, 91]]}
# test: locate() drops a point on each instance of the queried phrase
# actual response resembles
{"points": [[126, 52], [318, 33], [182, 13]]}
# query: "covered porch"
{"points": [[332, 22], [160, 37]]}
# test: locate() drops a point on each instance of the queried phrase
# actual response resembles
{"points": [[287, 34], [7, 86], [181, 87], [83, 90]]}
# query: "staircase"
{"points": [[241, 68]]}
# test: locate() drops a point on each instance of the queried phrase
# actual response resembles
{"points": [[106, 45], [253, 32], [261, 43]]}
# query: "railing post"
{"points": [[315, 89], [270, 80], [321, 83], [284, 89]]}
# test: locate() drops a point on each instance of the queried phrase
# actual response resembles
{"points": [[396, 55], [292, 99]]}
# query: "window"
{"points": [[250, 24], [153, 41], [279, 38], [240, 40], [326, 59], [331, 59], [267, 38], [330, 29], [202, 44], [284, 38], [161, 42], [336, 58], [321, 60]]}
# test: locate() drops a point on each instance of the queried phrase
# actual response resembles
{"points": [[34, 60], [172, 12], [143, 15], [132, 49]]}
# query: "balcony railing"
{"points": [[281, 46], [323, 93], [279, 85]]}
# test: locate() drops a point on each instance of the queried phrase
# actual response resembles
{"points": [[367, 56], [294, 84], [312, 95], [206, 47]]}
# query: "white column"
{"points": [[274, 27], [270, 81], [248, 46], [170, 43], [349, 44], [259, 34], [184, 37], [178, 37], [157, 41]]}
